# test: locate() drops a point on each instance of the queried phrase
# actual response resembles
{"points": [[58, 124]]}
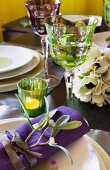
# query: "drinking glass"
{"points": [[37, 11], [107, 12], [70, 41]]}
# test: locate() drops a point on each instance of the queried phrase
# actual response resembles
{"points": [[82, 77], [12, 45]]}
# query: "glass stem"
{"points": [[44, 43], [69, 86]]}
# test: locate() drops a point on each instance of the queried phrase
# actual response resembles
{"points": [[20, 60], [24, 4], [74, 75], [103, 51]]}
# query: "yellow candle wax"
{"points": [[31, 103]]}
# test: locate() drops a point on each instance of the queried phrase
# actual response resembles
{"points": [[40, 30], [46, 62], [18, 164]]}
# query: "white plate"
{"points": [[24, 69], [99, 39], [11, 84], [13, 57], [82, 17], [103, 156], [75, 18], [84, 155]]}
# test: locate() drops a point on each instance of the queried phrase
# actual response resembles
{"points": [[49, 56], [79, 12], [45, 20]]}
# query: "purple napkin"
{"points": [[63, 138], [108, 44]]}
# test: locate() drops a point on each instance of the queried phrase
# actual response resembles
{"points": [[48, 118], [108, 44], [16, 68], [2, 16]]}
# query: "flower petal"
{"points": [[98, 99], [103, 69], [95, 52], [97, 90], [106, 77], [83, 94], [107, 98], [89, 79]]}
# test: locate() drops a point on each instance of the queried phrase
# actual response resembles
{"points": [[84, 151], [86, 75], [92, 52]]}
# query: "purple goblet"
{"points": [[38, 10]]}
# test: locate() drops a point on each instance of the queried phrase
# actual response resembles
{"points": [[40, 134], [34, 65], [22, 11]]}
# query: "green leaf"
{"points": [[59, 122], [53, 144], [45, 120], [62, 120], [54, 132], [47, 104], [35, 125], [107, 39], [42, 123], [47, 108], [70, 125], [25, 111], [52, 113]]}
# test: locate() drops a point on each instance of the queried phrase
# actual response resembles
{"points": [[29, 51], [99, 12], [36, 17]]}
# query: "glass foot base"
{"points": [[52, 80]]}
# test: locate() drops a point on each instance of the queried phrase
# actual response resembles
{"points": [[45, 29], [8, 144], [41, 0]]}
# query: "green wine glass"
{"points": [[70, 41], [107, 13]]}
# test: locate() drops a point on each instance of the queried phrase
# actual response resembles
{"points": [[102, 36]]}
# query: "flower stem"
{"points": [[38, 142], [25, 111], [29, 136]]}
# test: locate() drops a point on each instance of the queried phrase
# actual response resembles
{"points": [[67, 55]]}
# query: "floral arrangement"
{"points": [[91, 81]]}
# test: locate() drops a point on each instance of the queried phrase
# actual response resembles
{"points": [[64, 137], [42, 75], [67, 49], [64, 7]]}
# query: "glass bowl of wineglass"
{"points": [[38, 10], [70, 41]]}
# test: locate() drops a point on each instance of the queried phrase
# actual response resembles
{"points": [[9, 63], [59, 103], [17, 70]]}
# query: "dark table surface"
{"points": [[19, 25], [98, 118]]}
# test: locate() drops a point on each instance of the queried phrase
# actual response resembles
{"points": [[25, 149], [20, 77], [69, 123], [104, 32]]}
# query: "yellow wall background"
{"points": [[94, 7], [13, 9]]}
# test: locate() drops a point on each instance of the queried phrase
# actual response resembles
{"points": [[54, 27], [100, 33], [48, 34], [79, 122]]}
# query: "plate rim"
{"points": [[22, 70], [105, 157], [99, 34], [12, 85], [12, 67], [99, 17]]}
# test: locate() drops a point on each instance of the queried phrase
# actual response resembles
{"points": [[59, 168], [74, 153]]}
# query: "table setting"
{"points": [[43, 125], [92, 152], [28, 63]]}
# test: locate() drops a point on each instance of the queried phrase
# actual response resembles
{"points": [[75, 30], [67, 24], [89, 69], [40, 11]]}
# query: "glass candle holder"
{"points": [[32, 92]]}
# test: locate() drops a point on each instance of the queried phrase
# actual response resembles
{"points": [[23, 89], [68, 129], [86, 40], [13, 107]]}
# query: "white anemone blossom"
{"points": [[91, 81]]}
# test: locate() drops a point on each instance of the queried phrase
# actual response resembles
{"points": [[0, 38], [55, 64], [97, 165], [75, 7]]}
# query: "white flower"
{"points": [[80, 90], [91, 81]]}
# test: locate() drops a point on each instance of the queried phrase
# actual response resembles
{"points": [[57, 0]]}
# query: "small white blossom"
{"points": [[91, 81]]}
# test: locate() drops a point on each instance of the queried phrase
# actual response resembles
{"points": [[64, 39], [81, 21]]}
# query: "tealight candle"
{"points": [[31, 103], [32, 92]]}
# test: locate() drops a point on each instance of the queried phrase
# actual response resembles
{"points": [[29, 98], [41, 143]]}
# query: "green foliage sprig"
{"points": [[46, 122], [107, 39]]}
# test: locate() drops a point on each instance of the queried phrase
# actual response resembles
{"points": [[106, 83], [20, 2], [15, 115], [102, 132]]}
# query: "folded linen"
{"points": [[14, 158]]}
